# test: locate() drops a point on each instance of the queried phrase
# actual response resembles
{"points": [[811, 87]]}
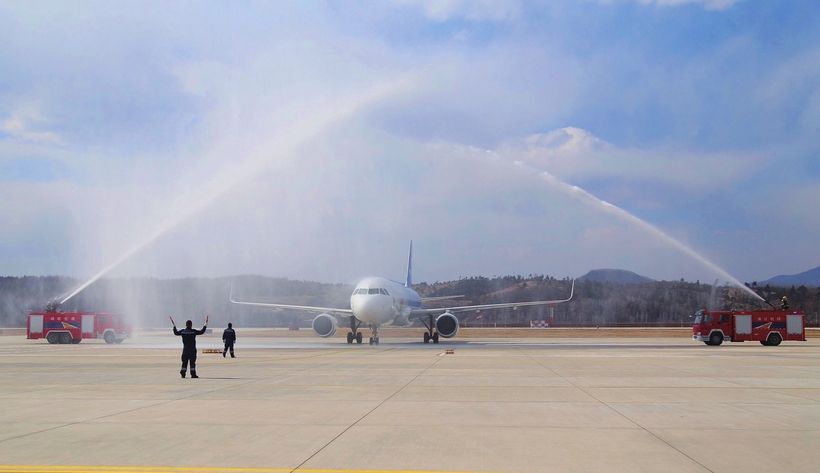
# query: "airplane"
{"points": [[378, 301]]}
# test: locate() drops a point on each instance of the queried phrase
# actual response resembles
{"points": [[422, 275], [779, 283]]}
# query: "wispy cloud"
{"points": [[26, 122], [707, 4], [214, 117], [474, 10]]}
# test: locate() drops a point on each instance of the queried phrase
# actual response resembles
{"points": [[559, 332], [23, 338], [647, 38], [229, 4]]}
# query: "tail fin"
{"points": [[409, 281]]}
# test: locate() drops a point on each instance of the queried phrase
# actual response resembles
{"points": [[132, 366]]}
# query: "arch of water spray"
{"points": [[288, 141], [588, 199]]}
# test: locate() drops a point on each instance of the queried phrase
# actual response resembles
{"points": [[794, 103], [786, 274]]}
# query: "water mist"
{"points": [[285, 144], [588, 199]]}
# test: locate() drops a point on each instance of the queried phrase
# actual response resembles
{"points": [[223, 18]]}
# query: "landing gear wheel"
{"points": [[65, 338], [371, 340], [426, 337], [376, 340], [359, 338], [349, 338], [109, 338], [53, 338], [435, 337], [715, 339], [774, 339]]}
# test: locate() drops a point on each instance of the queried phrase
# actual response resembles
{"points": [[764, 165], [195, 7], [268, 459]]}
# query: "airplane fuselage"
{"points": [[380, 301]]}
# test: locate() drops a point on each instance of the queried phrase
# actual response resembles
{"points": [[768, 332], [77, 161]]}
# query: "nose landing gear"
{"points": [[374, 340]]}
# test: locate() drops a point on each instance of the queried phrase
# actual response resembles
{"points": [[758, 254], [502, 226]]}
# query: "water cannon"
{"points": [[52, 305]]}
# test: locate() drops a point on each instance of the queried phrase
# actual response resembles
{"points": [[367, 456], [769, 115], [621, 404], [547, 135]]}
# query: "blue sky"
{"points": [[311, 140]]}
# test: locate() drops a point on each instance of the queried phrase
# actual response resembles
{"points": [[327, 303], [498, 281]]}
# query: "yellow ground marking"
{"points": [[160, 469]]}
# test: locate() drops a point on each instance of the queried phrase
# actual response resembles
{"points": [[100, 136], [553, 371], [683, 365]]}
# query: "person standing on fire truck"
{"points": [[784, 303], [188, 335]]}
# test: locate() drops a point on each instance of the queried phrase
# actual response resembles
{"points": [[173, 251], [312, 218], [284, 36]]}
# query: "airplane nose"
{"points": [[366, 308]]}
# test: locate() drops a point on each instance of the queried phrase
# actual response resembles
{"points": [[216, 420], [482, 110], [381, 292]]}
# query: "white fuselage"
{"points": [[379, 301]]}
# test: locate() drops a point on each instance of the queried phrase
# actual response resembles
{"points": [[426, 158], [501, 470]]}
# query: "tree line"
{"points": [[148, 302]]}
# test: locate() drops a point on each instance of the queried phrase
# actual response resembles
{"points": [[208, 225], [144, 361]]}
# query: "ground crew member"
{"points": [[229, 337], [784, 303], [188, 335]]}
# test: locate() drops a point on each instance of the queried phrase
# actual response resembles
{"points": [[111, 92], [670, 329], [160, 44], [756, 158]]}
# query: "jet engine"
{"points": [[447, 325], [325, 325]]}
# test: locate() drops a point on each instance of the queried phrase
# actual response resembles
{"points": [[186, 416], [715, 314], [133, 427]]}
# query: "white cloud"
{"points": [[572, 154], [474, 10], [239, 120], [707, 4], [26, 122]]}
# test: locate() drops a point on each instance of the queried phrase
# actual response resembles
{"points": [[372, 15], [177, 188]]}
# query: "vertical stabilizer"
{"points": [[409, 281]]}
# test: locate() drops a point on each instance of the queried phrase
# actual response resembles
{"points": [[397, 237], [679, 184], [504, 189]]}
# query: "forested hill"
{"points": [[148, 302]]}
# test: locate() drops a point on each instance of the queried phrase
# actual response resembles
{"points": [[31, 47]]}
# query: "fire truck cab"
{"points": [[769, 327], [72, 327]]}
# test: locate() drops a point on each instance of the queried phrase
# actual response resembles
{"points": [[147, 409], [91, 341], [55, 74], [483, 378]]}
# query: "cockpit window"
{"points": [[373, 290], [383, 291], [362, 291]]}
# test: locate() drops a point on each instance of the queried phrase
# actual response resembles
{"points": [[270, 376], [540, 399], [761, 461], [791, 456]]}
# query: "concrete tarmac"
{"points": [[495, 405]]}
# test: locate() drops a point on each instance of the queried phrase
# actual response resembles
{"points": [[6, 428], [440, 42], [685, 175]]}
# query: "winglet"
{"points": [[408, 282]]}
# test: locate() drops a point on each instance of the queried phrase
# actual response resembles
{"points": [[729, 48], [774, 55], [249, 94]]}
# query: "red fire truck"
{"points": [[769, 327], [72, 327]]}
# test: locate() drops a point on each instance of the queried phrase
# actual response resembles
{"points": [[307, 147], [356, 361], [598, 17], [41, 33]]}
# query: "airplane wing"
{"points": [[440, 298], [326, 310], [416, 313]]}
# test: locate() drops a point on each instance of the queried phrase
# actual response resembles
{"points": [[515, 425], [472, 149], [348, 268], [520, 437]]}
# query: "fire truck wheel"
{"points": [[774, 339], [53, 337], [109, 338], [65, 337], [76, 340], [716, 339]]}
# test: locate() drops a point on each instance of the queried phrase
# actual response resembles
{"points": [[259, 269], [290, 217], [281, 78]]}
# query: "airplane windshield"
{"points": [[383, 291], [362, 291], [373, 290]]}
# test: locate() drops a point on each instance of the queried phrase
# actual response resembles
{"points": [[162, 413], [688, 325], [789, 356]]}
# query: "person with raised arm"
{"points": [[188, 335]]}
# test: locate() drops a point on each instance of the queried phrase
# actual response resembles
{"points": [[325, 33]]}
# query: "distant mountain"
{"points": [[620, 276], [807, 278]]}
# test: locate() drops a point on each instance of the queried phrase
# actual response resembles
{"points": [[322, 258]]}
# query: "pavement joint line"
{"points": [[222, 388], [435, 361], [627, 418]]}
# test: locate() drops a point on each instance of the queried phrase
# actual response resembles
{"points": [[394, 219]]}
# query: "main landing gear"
{"points": [[354, 333], [374, 340], [429, 334]]}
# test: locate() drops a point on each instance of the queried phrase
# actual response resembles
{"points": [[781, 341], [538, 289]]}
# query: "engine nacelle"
{"points": [[325, 325], [447, 325]]}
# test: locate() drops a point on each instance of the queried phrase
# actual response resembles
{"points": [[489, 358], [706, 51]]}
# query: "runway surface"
{"points": [[494, 405]]}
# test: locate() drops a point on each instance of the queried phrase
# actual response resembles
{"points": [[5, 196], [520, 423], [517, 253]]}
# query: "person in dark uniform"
{"points": [[229, 337], [784, 303], [188, 335]]}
